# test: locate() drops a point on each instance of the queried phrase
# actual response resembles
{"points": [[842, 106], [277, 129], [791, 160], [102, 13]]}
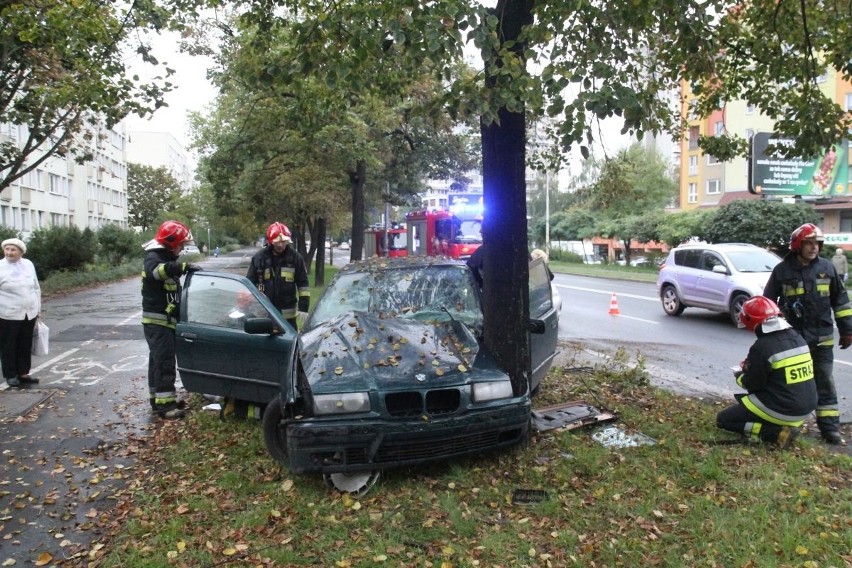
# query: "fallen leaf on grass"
{"points": [[43, 559]]}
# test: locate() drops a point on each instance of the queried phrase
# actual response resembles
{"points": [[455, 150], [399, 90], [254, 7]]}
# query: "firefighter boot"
{"points": [[787, 436]]}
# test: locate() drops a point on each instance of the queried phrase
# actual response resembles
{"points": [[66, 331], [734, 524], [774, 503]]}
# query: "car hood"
{"points": [[755, 282], [358, 351]]}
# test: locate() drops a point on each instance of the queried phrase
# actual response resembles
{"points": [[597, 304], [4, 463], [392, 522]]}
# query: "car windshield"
{"points": [[753, 260], [425, 293]]}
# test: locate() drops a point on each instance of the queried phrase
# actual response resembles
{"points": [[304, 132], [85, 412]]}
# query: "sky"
{"points": [[193, 93]]}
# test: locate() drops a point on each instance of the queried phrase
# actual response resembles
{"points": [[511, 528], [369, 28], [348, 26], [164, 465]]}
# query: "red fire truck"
{"points": [[442, 233], [396, 241]]}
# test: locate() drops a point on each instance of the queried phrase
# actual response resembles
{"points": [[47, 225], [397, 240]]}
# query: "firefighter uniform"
{"points": [[283, 278], [160, 306], [778, 375], [808, 295]]}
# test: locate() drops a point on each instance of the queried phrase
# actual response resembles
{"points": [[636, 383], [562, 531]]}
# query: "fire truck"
{"points": [[374, 239], [443, 233]]}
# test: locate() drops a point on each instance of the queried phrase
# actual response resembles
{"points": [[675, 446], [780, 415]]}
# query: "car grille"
{"points": [[412, 403], [408, 450]]}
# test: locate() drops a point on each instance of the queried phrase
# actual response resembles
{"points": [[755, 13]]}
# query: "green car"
{"points": [[388, 370]]}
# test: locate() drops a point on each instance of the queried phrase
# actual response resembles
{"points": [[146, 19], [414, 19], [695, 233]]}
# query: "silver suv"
{"points": [[714, 277]]}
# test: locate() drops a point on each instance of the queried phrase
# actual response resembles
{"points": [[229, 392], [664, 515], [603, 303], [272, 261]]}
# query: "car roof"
{"points": [[718, 246]]}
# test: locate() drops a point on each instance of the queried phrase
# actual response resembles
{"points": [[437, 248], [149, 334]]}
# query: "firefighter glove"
{"points": [[845, 341]]}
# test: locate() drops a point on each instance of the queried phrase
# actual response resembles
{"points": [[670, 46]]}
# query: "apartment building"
{"points": [[706, 182], [61, 192], [161, 150]]}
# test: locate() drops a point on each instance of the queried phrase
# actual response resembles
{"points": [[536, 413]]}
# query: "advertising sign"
{"points": [[466, 205], [826, 175]]}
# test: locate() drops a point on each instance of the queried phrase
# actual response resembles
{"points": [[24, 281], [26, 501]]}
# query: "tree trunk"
{"points": [[357, 178], [319, 267], [506, 258]]}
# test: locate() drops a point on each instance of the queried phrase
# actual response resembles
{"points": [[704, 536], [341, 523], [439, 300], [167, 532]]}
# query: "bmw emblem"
{"points": [[420, 378]]}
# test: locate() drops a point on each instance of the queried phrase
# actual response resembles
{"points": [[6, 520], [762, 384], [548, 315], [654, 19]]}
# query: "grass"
{"points": [[206, 493], [634, 273]]}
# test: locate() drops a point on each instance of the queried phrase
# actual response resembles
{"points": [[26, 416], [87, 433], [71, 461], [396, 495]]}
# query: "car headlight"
{"points": [[341, 403], [491, 390]]}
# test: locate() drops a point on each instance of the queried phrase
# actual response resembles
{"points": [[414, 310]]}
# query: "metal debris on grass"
{"points": [[615, 437]]}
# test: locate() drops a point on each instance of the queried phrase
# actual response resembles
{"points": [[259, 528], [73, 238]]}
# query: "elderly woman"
{"points": [[20, 303]]}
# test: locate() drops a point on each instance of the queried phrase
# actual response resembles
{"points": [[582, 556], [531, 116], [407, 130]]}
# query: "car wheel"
{"points": [[736, 307], [356, 484], [671, 303], [274, 432]]}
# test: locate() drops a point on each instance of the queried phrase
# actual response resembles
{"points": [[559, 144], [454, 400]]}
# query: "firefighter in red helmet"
{"points": [[280, 272], [778, 374], [809, 291], [160, 306]]}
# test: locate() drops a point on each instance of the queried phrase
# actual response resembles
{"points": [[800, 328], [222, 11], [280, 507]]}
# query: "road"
{"points": [[692, 353]]}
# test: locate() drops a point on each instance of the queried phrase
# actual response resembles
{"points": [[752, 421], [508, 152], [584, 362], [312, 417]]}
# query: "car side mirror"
{"points": [[720, 269], [536, 327], [260, 326]]}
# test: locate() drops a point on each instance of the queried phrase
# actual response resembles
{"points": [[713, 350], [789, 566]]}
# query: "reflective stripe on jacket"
{"points": [[283, 278], [808, 295]]}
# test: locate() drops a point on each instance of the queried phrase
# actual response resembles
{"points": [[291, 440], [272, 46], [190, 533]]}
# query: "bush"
{"points": [[8, 233], [115, 245], [565, 256], [61, 248]]}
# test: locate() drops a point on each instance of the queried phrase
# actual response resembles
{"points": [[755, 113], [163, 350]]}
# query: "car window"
{"points": [[220, 302], [709, 260], [412, 292], [688, 257], [753, 260], [540, 298]]}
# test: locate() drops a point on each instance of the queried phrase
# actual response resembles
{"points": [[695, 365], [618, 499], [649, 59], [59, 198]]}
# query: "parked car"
{"points": [[344, 245], [717, 277], [190, 249], [389, 369]]}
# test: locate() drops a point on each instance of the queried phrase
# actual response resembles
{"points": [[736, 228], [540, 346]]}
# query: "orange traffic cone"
{"points": [[613, 306]]}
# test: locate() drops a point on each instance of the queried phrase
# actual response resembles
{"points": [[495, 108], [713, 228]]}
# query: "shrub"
{"points": [[115, 245], [8, 233], [565, 256], [61, 248]]}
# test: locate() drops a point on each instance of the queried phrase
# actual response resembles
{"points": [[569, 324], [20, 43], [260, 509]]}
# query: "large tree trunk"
{"points": [[319, 233], [506, 268], [357, 178]]}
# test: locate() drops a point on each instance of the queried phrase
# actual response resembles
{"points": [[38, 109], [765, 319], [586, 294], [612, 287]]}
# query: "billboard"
{"points": [[466, 205], [826, 175]]}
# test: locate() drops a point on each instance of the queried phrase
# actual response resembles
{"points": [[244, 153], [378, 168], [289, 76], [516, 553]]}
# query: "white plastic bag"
{"points": [[41, 338]]}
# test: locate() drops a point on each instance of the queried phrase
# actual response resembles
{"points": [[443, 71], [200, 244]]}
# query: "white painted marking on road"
{"points": [[56, 359], [137, 316], [637, 319], [843, 362], [596, 291]]}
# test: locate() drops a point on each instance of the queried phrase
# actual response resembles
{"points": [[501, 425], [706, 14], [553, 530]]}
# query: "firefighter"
{"points": [[160, 310], [279, 271], [807, 289], [778, 375]]}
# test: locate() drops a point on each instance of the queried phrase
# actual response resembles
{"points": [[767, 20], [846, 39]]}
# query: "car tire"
{"points": [[671, 302], [736, 307], [274, 433]]}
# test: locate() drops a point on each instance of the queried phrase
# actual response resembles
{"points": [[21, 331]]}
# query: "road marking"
{"points": [[56, 359], [843, 362], [129, 319], [596, 291], [637, 319]]}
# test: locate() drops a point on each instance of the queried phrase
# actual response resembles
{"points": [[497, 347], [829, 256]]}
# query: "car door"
{"points": [[712, 283], [215, 354], [542, 345]]}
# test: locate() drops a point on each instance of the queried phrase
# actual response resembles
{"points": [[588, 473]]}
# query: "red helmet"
{"points": [[173, 235], [278, 232], [806, 231], [757, 310]]}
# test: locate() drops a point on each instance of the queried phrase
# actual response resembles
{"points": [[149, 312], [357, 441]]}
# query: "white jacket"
{"points": [[20, 293]]}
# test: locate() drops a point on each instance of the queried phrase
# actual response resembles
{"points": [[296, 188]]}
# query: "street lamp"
{"points": [[208, 241]]}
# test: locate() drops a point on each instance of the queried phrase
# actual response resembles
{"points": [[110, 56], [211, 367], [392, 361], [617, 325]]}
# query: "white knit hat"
{"points": [[18, 243]]}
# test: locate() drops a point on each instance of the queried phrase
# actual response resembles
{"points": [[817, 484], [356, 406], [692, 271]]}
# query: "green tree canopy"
{"points": [[63, 73], [151, 193], [759, 222]]}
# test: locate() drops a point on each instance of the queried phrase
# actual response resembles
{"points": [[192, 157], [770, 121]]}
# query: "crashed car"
{"points": [[389, 369]]}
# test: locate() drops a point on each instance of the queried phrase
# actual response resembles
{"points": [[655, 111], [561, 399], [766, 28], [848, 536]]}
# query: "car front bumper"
{"points": [[346, 446]]}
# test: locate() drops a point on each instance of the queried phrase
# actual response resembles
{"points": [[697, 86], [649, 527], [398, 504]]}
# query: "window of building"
{"points": [[4, 216], [849, 101], [693, 165], [32, 179], [692, 193], [693, 137], [749, 134], [25, 219], [712, 160], [719, 128], [846, 221], [749, 109], [713, 186], [823, 77]]}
